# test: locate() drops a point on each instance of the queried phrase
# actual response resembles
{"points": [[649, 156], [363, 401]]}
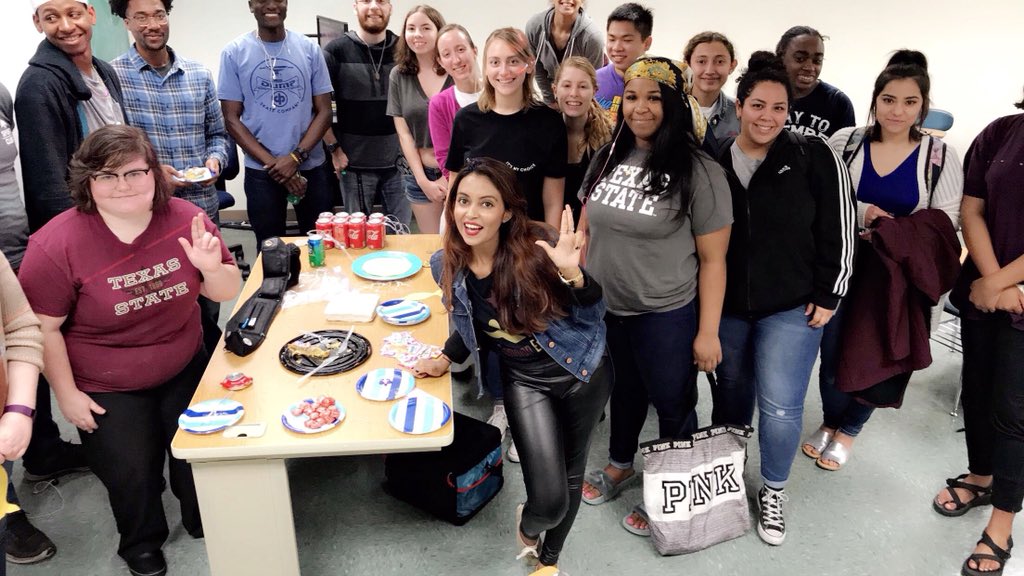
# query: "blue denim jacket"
{"points": [[575, 342]]}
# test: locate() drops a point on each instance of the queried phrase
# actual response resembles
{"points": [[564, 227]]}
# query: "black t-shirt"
{"points": [[573, 181], [532, 143], [821, 113]]}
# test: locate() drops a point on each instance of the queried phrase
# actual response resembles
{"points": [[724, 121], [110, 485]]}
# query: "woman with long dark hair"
{"points": [[509, 290], [990, 297], [789, 263], [889, 162], [659, 210], [416, 77]]}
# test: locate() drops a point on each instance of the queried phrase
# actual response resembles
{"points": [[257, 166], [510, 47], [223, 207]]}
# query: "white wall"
{"points": [[973, 53]]}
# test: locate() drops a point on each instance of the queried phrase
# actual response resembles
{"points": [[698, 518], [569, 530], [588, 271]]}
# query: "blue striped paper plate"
{"points": [[210, 416], [403, 312], [384, 384], [419, 414]]}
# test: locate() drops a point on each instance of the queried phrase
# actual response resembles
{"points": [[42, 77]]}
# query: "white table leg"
{"points": [[247, 517]]}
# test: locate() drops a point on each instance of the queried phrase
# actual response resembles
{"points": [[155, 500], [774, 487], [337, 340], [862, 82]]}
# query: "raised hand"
{"points": [[566, 253], [204, 250]]}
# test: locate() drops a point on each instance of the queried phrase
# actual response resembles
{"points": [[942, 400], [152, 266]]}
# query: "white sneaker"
{"points": [[513, 454], [771, 526], [499, 420]]}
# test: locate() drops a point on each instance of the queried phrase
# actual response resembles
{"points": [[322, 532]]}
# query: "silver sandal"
{"points": [[835, 452], [606, 486], [815, 443]]}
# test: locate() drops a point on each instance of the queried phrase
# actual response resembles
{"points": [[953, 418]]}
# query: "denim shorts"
{"points": [[413, 191]]}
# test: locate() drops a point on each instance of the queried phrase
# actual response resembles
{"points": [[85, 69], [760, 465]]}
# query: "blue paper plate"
{"points": [[210, 416], [384, 384], [386, 265], [403, 312], [419, 414]]}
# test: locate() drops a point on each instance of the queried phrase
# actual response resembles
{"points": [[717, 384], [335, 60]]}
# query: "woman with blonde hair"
{"points": [[586, 124]]}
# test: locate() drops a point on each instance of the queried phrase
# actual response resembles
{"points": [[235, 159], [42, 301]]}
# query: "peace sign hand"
{"points": [[566, 253], [204, 251]]}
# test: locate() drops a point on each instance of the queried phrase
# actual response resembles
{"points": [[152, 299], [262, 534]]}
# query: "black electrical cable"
{"points": [[356, 352]]}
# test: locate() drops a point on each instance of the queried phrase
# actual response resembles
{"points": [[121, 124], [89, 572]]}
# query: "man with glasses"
{"points": [[64, 95], [363, 142], [174, 101]]}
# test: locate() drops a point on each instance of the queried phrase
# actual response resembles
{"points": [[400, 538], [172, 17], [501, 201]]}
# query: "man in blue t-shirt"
{"points": [[628, 38], [275, 92]]}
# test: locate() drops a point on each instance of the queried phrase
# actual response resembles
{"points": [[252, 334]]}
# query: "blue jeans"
{"points": [[360, 187], [652, 358], [840, 410], [769, 358], [267, 201]]}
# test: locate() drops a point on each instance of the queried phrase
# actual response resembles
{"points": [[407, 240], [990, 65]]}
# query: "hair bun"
{"points": [[764, 60], [906, 57]]}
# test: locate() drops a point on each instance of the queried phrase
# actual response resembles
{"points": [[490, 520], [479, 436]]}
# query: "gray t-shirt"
{"points": [[643, 255], [407, 100], [13, 222], [100, 110], [743, 165]]}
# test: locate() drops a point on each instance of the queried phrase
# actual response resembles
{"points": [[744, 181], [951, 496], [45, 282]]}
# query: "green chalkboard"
{"points": [[109, 38]]}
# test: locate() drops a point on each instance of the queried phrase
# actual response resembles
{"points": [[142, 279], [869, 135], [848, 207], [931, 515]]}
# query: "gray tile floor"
{"points": [[872, 517]]}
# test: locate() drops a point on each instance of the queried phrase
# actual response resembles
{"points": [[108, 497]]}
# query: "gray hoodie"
{"points": [[586, 40]]}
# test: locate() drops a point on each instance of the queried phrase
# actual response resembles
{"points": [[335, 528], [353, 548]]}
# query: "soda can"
{"points": [[315, 244], [357, 215], [326, 215], [355, 232], [375, 233], [379, 215], [325, 226], [340, 236], [341, 214]]}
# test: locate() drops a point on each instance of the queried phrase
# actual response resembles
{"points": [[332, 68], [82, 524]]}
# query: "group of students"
{"points": [[604, 240]]}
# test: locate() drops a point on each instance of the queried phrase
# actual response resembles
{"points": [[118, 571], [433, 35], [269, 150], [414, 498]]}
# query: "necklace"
{"points": [[271, 61], [375, 67]]}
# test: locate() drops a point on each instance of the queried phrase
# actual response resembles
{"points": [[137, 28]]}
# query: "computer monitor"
{"points": [[328, 29]]}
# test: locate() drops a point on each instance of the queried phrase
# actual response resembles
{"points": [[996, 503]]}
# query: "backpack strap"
{"points": [[933, 167], [853, 145]]}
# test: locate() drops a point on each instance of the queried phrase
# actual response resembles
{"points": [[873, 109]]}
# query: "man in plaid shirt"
{"points": [[173, 100]]}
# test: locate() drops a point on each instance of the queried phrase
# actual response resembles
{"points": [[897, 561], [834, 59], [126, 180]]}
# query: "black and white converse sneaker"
{"points": [[771, 526]]}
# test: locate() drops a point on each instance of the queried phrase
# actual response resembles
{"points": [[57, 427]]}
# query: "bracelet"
{"points": [[295, 157], [571, 281], [20, 409]]}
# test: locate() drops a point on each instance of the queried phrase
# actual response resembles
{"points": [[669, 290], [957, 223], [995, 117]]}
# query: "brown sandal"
{"points": [[999, 556], [982, 497]]}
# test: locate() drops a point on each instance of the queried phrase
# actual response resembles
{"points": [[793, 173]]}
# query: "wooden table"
{"points": [[241, 482]]}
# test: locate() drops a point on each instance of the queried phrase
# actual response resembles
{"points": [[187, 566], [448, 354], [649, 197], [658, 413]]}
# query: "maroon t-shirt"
{"points": [[132, 317], [994, 172]]}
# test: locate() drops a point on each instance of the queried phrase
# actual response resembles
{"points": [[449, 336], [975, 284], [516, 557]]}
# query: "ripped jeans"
{"points": [[769, 359]]}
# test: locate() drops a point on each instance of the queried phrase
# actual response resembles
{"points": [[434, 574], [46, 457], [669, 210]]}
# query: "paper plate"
{"points": [[197, 174], [210, 416], [419, 414], [298, 423], [384, 384], [403, 312], [386, 265]]}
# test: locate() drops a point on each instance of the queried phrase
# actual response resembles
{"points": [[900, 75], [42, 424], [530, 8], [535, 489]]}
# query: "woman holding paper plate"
{"points": [[115, 282], [511, 289]]}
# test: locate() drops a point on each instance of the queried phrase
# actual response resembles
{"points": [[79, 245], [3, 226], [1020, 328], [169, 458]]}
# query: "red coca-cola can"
{"points": [[340, 236], [325, 226], [357, 215], [375, 233], [355, 232], [341, 214], [376, 215], [326, 215]]}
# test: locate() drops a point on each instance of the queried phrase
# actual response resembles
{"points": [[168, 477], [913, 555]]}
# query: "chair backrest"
{"points": [[937, 120]]}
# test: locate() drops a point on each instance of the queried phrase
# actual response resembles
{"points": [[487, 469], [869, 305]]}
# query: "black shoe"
{"points": [[26, 544], [71, 459], [147, 564]]}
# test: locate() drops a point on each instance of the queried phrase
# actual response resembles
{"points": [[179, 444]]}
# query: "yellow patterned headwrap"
{"points": [[672, 74]]}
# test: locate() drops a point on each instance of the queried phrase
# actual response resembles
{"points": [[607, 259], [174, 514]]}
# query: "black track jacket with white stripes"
{"points": [[794, 229]]}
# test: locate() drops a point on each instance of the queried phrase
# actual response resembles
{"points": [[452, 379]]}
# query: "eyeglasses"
{"points": [[378, 2], [109, 179], [143, 19]]}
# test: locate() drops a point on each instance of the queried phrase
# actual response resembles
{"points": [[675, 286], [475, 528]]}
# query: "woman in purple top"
{"points": [[458, 55], [991, 302]]}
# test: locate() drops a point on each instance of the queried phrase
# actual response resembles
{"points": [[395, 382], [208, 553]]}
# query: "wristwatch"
{"points": [[332, 147], [302, 154], [20, 409]]}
